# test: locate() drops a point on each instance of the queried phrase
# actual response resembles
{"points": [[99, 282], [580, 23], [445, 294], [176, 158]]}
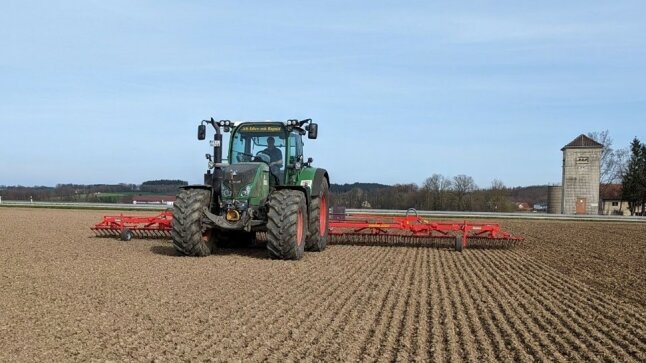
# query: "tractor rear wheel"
{"points": [[286, 225], [317, 233], [188, 237]]}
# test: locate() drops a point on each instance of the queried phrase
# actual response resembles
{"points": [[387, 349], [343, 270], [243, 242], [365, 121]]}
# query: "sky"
{"points": [[112, 91]]}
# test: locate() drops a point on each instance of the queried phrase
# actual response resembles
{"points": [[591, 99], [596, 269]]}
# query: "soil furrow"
{"points": [[582, 310], [466, 336], [436, 326], [572, 322], [397, 331], [384, 320], [450, 334], [336, 312], [407, 348], [335, 296], [423, 322], [483, 344], [540, 330], [522, 336], [360, 309]]}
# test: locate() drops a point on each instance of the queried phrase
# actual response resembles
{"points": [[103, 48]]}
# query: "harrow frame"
{"points": [[343, 227], [411, 227], [126, 226]]}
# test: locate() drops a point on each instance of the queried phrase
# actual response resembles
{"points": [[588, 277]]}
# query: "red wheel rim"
{"points": [[299, 228], [323, 216]]}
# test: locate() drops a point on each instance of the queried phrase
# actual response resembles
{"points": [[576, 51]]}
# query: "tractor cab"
{"points": [[265, 143], [275, 144]]}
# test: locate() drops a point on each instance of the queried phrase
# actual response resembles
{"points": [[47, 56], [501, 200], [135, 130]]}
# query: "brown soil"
{"points": [[608, 256], [69, 296]]}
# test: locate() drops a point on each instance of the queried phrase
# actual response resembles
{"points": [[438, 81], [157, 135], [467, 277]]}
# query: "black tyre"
{"points": [[286, 225], [317, 232], [458, 243], [126, 235], [188, 237]]}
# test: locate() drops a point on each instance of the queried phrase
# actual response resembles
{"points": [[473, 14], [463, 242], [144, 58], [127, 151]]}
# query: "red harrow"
{"points": [[411, 229], [345, 228], [127, 227]]}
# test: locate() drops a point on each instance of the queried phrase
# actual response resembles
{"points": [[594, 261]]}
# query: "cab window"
{"points": [[295, 147], [246, 147]]}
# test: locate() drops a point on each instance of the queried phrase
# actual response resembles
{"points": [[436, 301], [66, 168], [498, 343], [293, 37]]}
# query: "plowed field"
{"points": [[66, 295]]}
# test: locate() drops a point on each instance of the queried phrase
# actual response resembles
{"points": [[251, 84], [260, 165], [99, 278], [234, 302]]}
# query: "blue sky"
{"points": [[112, 91]]}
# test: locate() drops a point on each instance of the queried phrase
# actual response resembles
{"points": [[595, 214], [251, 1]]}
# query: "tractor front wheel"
{"points": [[188, 237], [286, 225]]}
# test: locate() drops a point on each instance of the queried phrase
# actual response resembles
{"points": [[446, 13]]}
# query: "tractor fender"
{"points": [[311, 178]]}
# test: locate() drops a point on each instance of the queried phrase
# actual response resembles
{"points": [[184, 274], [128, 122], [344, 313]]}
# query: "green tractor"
{"points": [[266, 186]]}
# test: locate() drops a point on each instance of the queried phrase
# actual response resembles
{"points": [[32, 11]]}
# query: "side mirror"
{"points": [[313, 131], [201, 132]]}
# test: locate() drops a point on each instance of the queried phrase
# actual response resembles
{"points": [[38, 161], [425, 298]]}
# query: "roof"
{"points": [[582, 142], [610, 191]]}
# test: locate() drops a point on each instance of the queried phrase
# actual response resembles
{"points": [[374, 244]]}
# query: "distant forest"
{"points": [[436, 193], [91, 193]]}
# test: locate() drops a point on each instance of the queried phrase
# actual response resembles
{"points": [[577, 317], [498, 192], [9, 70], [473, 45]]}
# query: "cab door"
{"points": [[294, 156]]}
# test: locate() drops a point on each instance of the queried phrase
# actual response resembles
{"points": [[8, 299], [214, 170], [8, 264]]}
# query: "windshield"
{"points": [[269, 148]]}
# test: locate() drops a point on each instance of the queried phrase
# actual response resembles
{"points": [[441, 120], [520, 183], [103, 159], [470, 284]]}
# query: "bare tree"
{"points": [[462, 186], [438, 186], [496, 198], [612, 161]]}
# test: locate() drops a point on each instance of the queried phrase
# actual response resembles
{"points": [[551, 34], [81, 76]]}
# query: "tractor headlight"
{"points": [[246, 191], [226, 192]]}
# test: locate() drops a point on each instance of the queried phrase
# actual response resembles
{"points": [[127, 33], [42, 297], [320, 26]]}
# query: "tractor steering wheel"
{"points": [[242, 157]]}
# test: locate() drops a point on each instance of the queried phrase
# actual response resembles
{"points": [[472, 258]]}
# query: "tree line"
{"points": [[437, 192], [91, 193]]}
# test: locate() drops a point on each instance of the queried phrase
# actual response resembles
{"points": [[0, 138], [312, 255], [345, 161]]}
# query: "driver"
{"points": [[275, 156]]}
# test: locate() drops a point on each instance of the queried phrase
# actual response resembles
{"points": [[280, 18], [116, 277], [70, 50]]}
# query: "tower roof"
{"points": [[583, 142]]}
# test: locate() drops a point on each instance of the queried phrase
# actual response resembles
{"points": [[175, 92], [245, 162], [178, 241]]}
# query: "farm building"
{"points": [[611, 201], [154, 199], [581, 176]]}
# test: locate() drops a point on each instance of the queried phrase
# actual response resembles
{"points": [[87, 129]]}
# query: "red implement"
{"points": [[344, 228], [367, 228], [127, 227]]}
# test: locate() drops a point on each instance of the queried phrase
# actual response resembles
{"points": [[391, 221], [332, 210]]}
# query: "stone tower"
{"points": [[581, 176]]}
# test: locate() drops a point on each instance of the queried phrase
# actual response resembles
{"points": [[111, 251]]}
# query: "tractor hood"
{"points": [[244, 181]]}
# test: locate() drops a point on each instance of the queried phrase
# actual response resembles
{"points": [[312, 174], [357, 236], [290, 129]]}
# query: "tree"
{"points": [[437, 186], [612, 161], [496, 197], [634, 177], [462, 186]]}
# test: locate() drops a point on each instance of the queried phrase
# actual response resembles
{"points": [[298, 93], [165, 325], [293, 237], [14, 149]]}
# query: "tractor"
{"points": [[266, 185]]}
